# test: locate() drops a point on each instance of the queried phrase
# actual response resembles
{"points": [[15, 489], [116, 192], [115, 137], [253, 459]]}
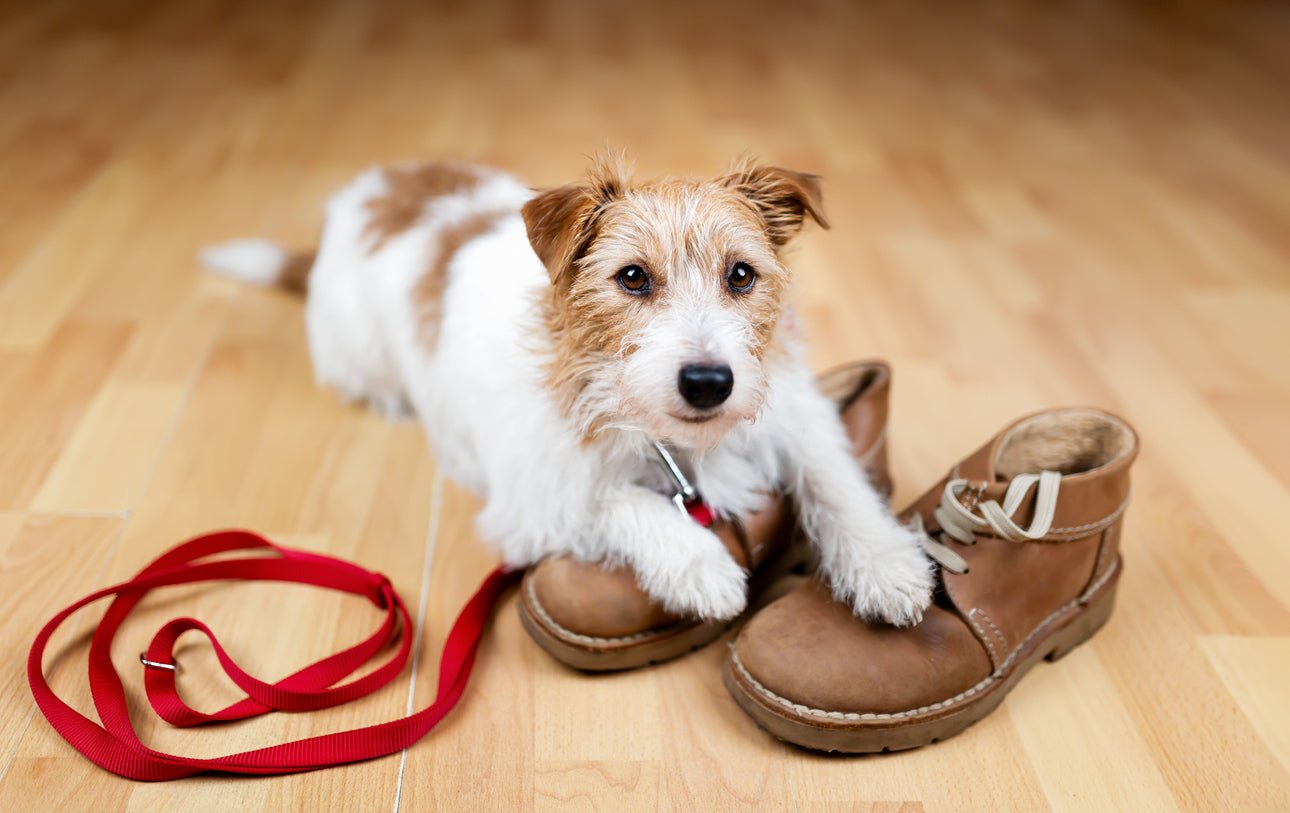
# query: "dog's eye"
{"points": [[741, 278], [634, 280]]}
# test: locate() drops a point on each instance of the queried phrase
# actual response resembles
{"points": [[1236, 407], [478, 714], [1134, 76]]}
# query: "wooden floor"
{"points": [[1030, 208]]}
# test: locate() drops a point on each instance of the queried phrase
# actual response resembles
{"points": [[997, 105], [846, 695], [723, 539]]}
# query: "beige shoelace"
{"points": [[960, 524]]}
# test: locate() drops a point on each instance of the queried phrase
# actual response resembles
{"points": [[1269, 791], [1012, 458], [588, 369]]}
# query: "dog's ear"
{"points": [[783, 197], [561, 222], [558, 222]]}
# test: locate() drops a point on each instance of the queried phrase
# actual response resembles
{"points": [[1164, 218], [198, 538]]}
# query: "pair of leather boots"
{"points": [[1026, 536]]}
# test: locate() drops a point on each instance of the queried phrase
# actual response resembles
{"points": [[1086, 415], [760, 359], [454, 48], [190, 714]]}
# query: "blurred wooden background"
{"points": [[1034, 204]]}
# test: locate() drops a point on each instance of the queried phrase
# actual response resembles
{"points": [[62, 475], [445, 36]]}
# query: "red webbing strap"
{"points": [[114, 744]]}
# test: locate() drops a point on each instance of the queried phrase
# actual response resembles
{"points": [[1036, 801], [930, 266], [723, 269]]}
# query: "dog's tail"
{"points": [[260, 262]]}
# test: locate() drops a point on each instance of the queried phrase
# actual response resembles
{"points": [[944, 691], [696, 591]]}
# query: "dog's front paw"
{"points": [[698, 578], [892, 581]]}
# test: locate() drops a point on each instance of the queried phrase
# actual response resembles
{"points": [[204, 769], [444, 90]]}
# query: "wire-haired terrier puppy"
{"points": [[552, 342]]}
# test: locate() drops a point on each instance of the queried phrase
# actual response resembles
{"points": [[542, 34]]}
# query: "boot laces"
{"points": [[960, 523]]}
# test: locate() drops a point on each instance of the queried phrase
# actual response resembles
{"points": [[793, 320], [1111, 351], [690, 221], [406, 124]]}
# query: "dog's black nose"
{"points": [[705, 387]]}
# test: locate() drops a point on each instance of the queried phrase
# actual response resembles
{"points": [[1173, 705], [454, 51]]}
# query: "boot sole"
{"points": [[595, 654], [779, 717]]}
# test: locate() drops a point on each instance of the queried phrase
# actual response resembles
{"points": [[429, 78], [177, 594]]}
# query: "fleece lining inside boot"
{"points": [[1069, 441]]}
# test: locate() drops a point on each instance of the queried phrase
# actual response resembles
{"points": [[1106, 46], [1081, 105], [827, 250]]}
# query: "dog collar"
{"points": [[686, 498]]}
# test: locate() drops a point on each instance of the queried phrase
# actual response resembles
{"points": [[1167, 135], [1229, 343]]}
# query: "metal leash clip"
{"points": [[169, 667], [686, 493]]}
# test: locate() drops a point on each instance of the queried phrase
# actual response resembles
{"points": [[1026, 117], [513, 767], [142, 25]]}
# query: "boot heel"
{"points": [[1084, 626]]}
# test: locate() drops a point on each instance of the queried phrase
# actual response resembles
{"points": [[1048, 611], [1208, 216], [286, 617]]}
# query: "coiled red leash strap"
{"points": [[116, 747]]}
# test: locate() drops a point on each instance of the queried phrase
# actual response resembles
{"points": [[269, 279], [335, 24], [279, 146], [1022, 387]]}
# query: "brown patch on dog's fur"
{"points": [[295, 274], [561, 222], [583, 233], [408, 191], [429, 290]]}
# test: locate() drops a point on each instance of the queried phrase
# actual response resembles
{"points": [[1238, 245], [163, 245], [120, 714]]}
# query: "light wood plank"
{"points": [[1254, 670], [1065, 718], [1031, 206], [111, 452], [45, 563]]}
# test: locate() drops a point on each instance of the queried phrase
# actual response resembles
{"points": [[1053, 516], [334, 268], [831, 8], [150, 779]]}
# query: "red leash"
{"points": [[116, 747]]}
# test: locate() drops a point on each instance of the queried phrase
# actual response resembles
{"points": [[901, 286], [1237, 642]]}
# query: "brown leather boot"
{"points": [[1027, 534], [595, 617]]}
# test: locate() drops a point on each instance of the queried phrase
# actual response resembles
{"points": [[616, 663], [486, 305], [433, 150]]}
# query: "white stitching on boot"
{"points": [[578, 637], [961, 696]]}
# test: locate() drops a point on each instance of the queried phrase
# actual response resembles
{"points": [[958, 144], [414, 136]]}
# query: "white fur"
{"points": [[256, 261], [497, 429]]}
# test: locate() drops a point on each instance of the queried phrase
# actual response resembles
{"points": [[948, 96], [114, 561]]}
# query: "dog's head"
{"points": [[666, 294]]}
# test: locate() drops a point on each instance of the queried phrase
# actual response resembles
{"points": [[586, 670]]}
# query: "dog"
{"points": [[548, 340]]}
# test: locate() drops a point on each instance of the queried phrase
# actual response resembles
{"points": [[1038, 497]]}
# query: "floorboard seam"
{"points": [[432, 538], [77, 514], [17, 745]]}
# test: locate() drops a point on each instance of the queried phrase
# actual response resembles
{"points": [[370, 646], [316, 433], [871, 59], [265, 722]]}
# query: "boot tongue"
{"points": [[979, 468], [976, 468]]}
